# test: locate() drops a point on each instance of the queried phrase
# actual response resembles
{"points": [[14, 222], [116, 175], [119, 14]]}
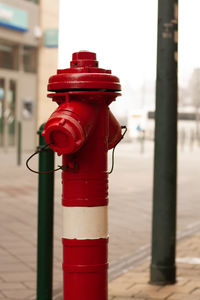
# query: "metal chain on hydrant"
{"points": [[113, 151], [37, 152]]}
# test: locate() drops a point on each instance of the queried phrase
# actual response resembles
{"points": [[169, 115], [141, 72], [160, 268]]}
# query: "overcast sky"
{"points": [[123, 33]]}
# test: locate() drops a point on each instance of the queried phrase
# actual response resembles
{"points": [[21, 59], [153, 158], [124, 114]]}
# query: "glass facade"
{"points": [[10, 59], [7, 112], [30, 59], [9, 56], [16, 60]]}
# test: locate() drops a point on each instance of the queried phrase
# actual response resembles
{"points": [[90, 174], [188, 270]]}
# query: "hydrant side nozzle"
{"points": [[115, 133], [65, 138], [69, 126]]}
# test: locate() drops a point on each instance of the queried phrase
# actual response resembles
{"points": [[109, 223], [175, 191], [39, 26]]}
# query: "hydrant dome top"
{"points": [[85, 58], [84, 74]]}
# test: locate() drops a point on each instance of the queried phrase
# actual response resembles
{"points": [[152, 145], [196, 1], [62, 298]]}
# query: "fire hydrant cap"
{"points": [[84, 73], [65, 136], [84, 58]]}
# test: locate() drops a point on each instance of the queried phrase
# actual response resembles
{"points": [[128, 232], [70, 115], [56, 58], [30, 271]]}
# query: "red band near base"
{"points": [[85, 264], [85, 190]]}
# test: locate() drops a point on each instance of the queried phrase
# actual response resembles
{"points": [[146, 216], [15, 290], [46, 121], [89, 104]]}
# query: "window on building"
{"points": [[9, 56], [34, 1], [30, 59]]}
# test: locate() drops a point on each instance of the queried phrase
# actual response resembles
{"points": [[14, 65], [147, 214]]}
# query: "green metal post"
{"points": [[163, 268], [45, 222], [19, 142]]}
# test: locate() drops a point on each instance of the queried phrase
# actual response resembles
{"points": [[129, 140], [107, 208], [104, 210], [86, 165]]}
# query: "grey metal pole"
{"points": [[45, 222], [163, 268]]}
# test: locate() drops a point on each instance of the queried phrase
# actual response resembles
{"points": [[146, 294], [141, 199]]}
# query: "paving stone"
{"points": [[18, 294], [6, 286], [18, 277], [181, 296], [196, 292], [2, 297], [187, 288], [154, 292], [126, 298], [14, 268], [30, 284]]}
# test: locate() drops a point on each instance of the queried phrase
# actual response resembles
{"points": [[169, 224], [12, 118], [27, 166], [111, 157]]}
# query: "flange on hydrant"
{"points": [[83, 129]]}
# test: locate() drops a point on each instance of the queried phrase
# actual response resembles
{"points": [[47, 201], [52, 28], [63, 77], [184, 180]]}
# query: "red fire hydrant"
{"points": [[83, 129]]}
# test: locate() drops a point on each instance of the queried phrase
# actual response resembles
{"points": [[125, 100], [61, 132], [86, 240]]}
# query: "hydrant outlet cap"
{"points": [[63, 137]]}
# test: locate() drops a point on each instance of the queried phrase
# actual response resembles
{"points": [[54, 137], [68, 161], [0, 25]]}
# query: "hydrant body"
{"points": [[83, 129]]}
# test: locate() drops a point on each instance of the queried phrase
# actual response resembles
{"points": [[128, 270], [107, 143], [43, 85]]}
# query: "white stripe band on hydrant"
{"points": [[85, 222]]}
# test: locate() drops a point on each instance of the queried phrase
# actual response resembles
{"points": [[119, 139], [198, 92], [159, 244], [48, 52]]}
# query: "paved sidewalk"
{"points": [[129, 216], [134, 284]]}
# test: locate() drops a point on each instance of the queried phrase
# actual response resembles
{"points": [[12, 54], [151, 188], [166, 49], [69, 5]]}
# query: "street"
{"points": [[129, 213]]}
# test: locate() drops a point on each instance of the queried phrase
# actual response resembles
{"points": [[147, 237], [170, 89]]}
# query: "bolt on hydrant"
{"points": [[83, 129]]}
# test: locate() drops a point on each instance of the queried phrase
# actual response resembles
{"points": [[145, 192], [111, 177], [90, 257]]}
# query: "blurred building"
{"points": [[28, 56]]}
